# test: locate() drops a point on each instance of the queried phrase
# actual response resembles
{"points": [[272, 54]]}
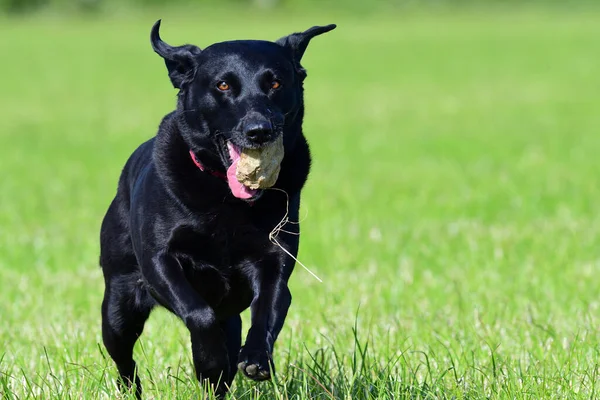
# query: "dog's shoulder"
{"points": [[141, 159], [138, 161]]}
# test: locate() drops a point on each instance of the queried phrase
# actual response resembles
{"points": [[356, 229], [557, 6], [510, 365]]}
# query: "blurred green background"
{"points": [[452, 208], [96, 6]]}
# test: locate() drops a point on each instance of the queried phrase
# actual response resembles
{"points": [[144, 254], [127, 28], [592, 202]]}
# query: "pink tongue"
{"points": [[239, 190]]}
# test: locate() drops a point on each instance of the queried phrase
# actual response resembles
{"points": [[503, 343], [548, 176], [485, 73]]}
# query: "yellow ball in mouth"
{"points": [[259, 168]]}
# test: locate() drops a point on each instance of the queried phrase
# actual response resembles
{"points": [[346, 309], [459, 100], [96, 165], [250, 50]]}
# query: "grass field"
{"points": [[452, 210]]}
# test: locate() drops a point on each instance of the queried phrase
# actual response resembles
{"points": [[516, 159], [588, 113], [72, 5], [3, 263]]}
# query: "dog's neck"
{"points": [[202, 168], [175, 166]]}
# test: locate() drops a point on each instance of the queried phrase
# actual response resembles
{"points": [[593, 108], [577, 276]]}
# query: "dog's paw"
{"points": [[216, 379], [214, 371], [255, 365], [214, 376]]}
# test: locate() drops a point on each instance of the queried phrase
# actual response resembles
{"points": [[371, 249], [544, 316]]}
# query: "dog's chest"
{"points": [[219, 259], [226, 290]]}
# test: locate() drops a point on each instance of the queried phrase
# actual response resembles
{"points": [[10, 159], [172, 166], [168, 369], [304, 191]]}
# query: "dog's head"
{"points": [[237, 94]]}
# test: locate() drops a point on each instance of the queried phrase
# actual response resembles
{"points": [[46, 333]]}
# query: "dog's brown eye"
{"points": [[223, 86], [275, 84]]}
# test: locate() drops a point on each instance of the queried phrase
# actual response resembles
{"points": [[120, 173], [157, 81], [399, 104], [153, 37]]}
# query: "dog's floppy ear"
{"points": [[180, 60], [298, 42]]}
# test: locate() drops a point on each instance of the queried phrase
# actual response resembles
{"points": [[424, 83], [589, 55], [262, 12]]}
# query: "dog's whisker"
{"points": [[191, 110]]}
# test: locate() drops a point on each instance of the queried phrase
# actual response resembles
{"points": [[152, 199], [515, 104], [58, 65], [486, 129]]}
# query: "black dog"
{"points": [[182, 232]]}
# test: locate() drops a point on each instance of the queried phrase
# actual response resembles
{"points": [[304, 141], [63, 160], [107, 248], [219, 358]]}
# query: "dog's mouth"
{"points": [[237, 188]]}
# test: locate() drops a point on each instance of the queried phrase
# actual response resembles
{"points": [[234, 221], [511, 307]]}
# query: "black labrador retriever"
{"points": [[183, 233]]}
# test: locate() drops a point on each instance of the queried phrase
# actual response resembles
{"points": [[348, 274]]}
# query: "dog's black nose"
{"points": [[258, 131]]}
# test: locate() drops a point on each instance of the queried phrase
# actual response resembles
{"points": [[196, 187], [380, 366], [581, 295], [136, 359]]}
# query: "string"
{"points": [[279, 228]]}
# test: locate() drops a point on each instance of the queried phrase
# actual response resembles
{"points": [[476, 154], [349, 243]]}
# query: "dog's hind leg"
{"points": [[125, 308]]}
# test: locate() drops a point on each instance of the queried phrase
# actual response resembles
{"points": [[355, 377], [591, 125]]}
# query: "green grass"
{"points": [[452, 210]]}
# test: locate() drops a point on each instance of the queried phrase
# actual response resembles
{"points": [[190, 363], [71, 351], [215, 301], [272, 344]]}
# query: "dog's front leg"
{"points": [[270, 305], [168, 283]]}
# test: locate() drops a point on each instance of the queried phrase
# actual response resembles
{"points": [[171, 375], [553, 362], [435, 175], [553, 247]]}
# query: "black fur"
{"points": [[176, 236]]}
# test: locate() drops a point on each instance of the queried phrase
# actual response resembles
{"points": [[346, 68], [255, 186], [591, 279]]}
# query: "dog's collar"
{"points": [[204, 169]]}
